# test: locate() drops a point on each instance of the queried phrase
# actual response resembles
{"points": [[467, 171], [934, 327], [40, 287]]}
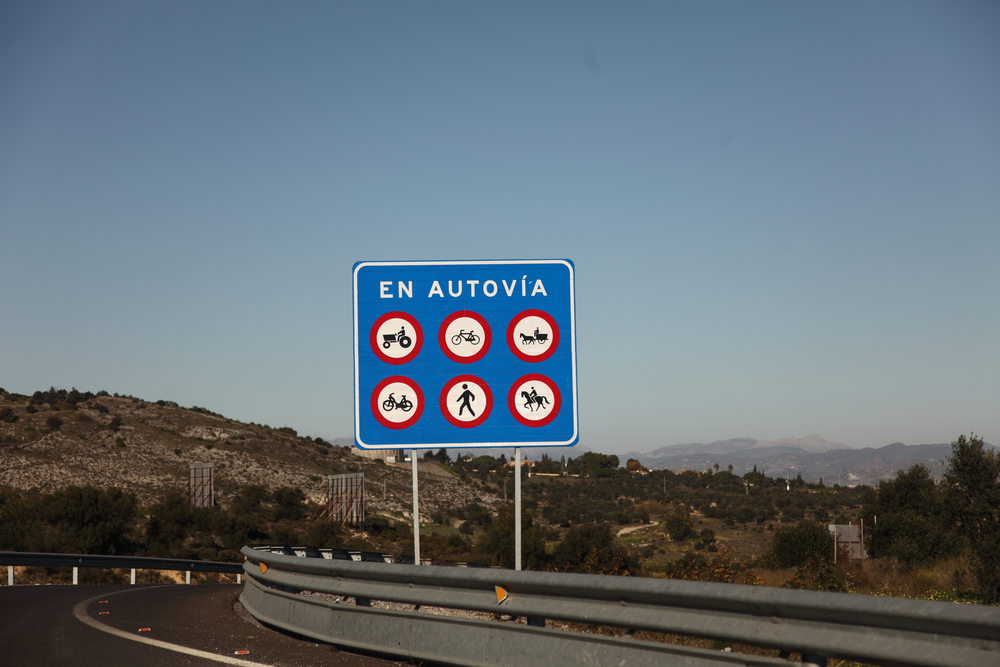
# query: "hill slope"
{"points": [[56, 439]]}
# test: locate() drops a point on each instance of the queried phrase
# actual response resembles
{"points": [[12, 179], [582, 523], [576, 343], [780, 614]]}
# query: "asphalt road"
{"points": [[149, 626]]}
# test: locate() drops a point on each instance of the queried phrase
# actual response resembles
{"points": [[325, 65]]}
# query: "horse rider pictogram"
{"points": [[533, 399]]}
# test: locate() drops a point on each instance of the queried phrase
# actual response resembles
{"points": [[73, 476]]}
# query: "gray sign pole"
{"points": [[416, 510], [517, 508]]}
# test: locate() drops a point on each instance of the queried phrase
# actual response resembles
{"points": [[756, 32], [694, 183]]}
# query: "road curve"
{"points": [[148, 625]]}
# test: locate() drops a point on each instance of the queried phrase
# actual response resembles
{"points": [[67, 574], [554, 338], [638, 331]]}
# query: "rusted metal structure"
{"points": [[345, 498], [201, 485]]}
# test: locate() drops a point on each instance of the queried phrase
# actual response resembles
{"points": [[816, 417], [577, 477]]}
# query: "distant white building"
{"points": [[387, 455]]}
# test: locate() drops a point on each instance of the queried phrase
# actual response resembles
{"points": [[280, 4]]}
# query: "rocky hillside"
{"points": [[59, 438]]}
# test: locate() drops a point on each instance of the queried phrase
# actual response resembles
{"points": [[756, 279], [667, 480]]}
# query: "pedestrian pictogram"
{"points": [[534, 400], [397, 402], [465, 336], [533, 335], [466, 401], [396, 337]]}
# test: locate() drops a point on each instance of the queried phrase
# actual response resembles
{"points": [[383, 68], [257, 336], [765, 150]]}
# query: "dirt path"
{"points": [[631, 529]]}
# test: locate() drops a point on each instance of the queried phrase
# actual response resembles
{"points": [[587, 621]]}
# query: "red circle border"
{"points": [[483, 413], [554, 343], [556, 399], [417, 343], [378, 413], [487, 336]]}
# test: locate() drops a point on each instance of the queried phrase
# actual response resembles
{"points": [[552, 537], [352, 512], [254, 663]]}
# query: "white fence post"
{"points": [[10, 575], [132, 581], [76, 575], [187, 577]]}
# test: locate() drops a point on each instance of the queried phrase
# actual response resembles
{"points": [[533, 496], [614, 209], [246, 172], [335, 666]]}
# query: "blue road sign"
{"points": [[465, 354]]}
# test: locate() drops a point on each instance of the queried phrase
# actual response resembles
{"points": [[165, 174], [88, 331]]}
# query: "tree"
{"points": [[680, 526], [973, 501], [590, 548], [88, 520], [496, 546], [912, 526], [593, 464], [548, 465], [633, 465], [792, 546]]}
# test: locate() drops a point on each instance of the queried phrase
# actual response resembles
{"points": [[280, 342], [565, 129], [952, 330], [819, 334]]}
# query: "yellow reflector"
{"points": [[501, 594]]}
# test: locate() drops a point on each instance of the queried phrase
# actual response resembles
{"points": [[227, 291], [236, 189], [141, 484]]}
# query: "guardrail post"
{"points": [[76, 575], [239, 578], [132, 577], [10, 575], [816, 660], [536, 621], [187, 577]]}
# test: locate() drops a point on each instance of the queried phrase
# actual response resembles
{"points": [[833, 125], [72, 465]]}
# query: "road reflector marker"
{"points": [[263, 568], [144, 629], [241, 652], [502, 594], [103, 602], [103, 613]]}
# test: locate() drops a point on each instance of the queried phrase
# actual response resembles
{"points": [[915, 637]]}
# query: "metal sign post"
{"points": [[416, 510], [517, 508]]}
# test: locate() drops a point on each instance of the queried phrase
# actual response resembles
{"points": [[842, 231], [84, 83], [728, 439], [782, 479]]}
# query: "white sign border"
{"points": [[467, 445]]}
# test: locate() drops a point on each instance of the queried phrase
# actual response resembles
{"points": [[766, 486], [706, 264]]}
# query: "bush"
{"points": [[816, 574], [721, 567], [496, 546], [680, 527], [792, 546], [54, 423], [590, 548], [289, 504]]}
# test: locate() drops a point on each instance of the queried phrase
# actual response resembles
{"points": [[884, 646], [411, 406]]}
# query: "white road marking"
{"points": [[80, 611]]}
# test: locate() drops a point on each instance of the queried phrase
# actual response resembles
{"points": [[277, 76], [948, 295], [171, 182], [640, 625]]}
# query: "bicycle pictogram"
{"points": [[464, 336], [390, 404]]}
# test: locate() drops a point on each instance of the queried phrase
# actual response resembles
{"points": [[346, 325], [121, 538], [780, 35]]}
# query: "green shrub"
{"points": [[792, 546]]}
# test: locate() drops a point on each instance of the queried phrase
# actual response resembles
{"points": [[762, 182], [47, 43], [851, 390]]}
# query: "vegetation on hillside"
{"points": [[927, 537]]}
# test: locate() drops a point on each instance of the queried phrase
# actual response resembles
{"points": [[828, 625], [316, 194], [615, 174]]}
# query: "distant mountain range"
{"points": [[812, 456]]}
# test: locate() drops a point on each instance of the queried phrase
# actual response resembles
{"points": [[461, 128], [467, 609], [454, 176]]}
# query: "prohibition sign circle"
{"points": [[392, 404], [523, 399], [465, 336], [466, 401], [533, 335], [396, 337]]}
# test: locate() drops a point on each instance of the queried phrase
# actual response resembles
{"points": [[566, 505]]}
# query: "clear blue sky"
{"points": [[785, 216]]}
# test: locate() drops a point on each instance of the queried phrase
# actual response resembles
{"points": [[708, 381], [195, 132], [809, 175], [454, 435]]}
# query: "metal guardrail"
{"points": [[14, 559], [816, 625]]}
